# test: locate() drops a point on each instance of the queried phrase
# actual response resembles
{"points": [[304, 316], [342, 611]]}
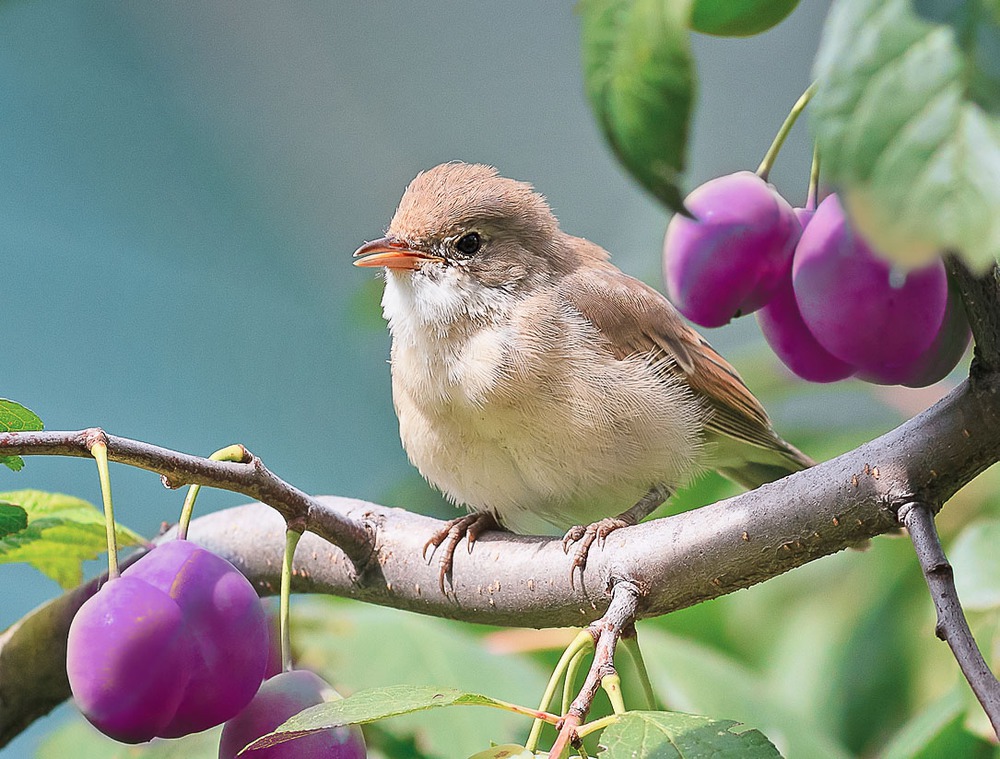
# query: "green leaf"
{"points": [[739, 18], [61, 534], [906, 120], [639, 77], [12, 519], [14, 463], [16, 418], [368, 706], [345, 641], [976, 562], [685, 736]]}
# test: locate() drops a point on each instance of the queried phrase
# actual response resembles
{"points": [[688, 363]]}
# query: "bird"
{"points": [[538, 385]]}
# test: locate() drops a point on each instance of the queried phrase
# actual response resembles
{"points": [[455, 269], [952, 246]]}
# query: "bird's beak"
{"points": [[392, 254]]}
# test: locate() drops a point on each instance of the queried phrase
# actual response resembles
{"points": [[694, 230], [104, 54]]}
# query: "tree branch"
{"points": [[952, 627], [525, 581], [251, 478]]}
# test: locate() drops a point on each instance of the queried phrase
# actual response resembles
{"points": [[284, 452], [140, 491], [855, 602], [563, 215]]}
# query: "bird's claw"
{"points": [[470, 526], [585, 536]]}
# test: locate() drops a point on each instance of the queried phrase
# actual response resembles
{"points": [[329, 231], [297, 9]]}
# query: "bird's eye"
{"points": [[469, 244]]}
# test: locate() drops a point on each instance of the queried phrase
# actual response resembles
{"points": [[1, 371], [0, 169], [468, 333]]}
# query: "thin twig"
{"points": [[606, 632], [251, 478], [951, 627]]}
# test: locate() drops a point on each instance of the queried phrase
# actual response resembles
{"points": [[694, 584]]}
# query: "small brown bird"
{"points": [[537, 384]]}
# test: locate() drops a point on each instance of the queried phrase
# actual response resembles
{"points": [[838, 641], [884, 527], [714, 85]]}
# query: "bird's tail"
{"points": [[771, 464]]}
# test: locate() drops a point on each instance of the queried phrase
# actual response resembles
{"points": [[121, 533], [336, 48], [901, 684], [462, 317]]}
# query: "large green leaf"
{"points": [[670, 735], [16, 418], [346, 642], [640, 81], [61, 534], [906, 119], [739, 18], [370, 705]]}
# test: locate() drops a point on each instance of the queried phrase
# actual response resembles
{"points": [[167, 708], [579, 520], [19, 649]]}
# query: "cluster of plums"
{"points": [[827, 305], [180, 643]]}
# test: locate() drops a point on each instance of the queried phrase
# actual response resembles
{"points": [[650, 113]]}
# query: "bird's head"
{"points": [[464, 222]]}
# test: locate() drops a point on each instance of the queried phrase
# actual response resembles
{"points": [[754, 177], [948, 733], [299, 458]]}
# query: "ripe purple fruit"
{"points": [[940, 358], [227, 625], [732, 257], [855, 305], [175, 645], [278, 699], [794, 344], [790, 338], [129, 659]]}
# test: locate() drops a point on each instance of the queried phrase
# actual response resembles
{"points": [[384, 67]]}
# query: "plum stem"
{"points": [[812, 199], [230, 453], [570, 680], [606, 631], [630, 642], [779, 139], [611, 684], [582, 643], [99, 450], [292, 536]]}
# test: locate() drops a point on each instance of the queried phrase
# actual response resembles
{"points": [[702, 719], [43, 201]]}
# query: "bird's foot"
{"points": [[585, 536], [599, 530], [471, 526]]}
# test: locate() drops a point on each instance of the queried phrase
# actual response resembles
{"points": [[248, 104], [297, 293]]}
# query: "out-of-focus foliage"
{"points": [[907, 118], [639, 76], [739, 18]]}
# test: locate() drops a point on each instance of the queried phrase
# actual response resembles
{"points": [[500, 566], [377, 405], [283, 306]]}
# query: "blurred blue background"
{"points": [[183, 185]]}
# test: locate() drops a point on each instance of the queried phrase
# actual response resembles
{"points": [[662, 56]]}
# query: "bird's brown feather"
{"points": [[637, 320]]}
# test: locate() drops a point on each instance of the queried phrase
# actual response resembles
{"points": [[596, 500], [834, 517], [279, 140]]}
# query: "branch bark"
{"points": [[251, 478], [525, 581]]}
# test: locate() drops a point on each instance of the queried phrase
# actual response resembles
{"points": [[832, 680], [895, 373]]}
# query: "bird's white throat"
{"points": [[417, 305]]}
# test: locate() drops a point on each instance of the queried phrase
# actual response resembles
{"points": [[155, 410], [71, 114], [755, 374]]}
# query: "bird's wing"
{"points": [[637, 320]]}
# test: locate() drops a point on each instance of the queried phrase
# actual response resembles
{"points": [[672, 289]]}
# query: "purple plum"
{"points": [[129, 659], [228, 627], [279, 698], [856, 306], [788, 336], [794, 344], [940, 358], [734, 254]]}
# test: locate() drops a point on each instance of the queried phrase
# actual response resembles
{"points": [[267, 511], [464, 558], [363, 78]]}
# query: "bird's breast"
{"points": [[526, 414]]}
